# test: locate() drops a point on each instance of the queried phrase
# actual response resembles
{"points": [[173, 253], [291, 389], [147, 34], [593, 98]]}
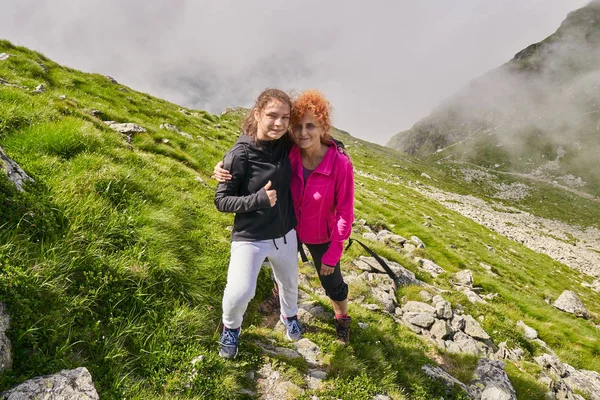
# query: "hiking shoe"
{"points": [[229, 343], [270, 305], [342, 330], [292, 327]]}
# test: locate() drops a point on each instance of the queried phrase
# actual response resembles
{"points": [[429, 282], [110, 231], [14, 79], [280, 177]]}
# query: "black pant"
{"points": [[334, 285]]}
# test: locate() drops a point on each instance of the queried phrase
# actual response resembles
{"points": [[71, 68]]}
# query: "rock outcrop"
{"points": [[13, 170], [73, 384]]}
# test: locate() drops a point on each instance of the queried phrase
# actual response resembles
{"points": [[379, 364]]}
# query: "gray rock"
{"points": [[490, 382], [418, 307], [587, 382], [464, 278], [111, 79], [443, 309], [430, 267], [458, 323], [441, 330], [5, 346], [504, 353], [405, 277], [406, 322], [381, 397], [310, 351], [73, 384], [175, 129], [419, 319], [426, 296], [14, 172], [315, 377], [40, 89], [528, 331], [273, 386], [473, 329], [472, 296], [417, 242], [62, 97], [570, 303], [370, 236], [438, 374], [128, 128], [463, 343], [385, 298], [387, 237]]}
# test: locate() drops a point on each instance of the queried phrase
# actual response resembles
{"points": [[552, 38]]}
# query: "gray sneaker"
{"points": [[292, 327], [229, 343]]}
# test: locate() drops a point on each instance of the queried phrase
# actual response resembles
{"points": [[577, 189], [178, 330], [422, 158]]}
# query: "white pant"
{"points": [[244, 266]]}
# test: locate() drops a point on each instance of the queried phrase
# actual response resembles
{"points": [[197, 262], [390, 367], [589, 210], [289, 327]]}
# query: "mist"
{"points": [[383, 67]]}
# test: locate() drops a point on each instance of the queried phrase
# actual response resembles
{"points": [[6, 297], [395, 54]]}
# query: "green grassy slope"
{"points": [[115, 258]]}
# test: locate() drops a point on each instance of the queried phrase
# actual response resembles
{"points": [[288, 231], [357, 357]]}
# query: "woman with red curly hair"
{"points": [[323, 195]]}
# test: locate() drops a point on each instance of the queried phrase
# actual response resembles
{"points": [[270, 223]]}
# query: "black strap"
{"points": [[301, 250], [380, 260]]}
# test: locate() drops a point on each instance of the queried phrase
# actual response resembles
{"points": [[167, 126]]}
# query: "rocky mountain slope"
{"points": [[113, 261], [538, 114]]}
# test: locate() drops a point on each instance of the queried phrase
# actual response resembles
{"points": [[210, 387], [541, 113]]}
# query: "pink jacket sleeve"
{"points": [[344, 199]]}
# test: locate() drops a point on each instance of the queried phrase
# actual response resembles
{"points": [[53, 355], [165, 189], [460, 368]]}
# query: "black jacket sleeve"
{"points": [[227, 197]]}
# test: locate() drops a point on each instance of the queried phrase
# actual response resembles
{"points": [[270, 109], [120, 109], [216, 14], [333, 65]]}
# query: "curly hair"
{"points": [[249, 124], [313, 101]]}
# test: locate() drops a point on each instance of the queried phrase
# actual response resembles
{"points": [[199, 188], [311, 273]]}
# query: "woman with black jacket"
{"points": [[259, 195]]}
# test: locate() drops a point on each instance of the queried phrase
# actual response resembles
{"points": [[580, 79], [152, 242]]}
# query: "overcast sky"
{"points": [[383, 64]]}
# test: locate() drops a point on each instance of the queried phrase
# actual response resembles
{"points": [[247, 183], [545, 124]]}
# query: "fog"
{"points": [[383, 66]]}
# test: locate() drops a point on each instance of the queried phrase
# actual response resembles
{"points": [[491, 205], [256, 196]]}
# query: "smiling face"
{"points": [[272, 121], [307, 132]]}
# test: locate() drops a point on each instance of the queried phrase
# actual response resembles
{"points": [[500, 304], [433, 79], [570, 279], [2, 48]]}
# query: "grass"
{"points": [[116, 259]]}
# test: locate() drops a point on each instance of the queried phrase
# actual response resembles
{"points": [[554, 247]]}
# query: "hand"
{"points": [[271, 194], [220, 174], [343, 151], [327, 269]]}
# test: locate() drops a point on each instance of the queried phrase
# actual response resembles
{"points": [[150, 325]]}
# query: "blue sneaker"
{"points": [[292, 326], [229, 343]]}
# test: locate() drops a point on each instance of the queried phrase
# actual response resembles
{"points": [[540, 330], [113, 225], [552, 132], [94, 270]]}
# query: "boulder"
{"points": [[128, 128], [528, 331], [490, 382], [14, 172], [430, 267], [443, 309], [419, 319], [438, 374], [570, 303], [418, 307], [370, 236], [472, 296], [464, 278], [417, 242], [473, 329], [64, 385], [441, 330]]}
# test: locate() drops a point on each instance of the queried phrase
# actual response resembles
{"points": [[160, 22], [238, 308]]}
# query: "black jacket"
{"points": [[252, 163]]}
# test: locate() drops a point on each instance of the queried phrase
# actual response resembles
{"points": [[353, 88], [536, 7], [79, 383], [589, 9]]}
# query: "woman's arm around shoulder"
{"points": [[227, 196]]}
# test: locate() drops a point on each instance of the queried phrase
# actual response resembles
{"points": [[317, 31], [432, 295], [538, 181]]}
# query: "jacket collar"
{"points": [[326, 165]]}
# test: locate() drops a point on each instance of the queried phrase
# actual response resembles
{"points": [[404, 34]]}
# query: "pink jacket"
{"points": [[325, 206]]}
